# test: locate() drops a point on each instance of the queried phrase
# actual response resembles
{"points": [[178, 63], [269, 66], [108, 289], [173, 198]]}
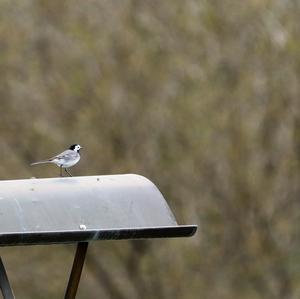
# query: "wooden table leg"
{"points": [[4, 283], [76, 270]]}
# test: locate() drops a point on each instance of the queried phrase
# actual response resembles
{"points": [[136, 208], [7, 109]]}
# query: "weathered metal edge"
{"points": [[59, 237]]}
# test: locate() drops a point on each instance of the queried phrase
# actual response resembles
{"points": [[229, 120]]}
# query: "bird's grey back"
{"points": [[66, 155]]}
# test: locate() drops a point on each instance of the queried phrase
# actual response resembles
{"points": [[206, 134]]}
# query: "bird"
{"points": [[66, 159]]}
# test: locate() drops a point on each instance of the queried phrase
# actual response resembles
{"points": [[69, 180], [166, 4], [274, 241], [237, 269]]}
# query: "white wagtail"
{"points": [[66, 159]]}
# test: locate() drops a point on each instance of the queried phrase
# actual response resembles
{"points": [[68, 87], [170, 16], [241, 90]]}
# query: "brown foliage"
{"points": [[201, 97]]}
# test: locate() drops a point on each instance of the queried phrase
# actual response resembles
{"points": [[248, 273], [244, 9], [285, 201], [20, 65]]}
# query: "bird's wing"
{"points": [[66, 155]]}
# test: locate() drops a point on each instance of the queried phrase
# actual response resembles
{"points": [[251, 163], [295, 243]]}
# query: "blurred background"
{"points": [[201, 97]]}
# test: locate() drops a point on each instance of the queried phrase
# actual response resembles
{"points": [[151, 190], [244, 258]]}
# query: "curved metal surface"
{"points": [[72, 209]]}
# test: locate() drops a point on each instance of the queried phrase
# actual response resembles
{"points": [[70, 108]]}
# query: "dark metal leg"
{"points": [[4, 283], [76, 270], [66, 170]]}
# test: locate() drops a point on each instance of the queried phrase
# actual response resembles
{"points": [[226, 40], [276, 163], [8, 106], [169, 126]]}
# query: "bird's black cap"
{"points": [[73, 146]]}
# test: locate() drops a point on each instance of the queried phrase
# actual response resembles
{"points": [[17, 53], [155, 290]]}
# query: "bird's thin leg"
{"points": [[66, 170], [61, 171]]}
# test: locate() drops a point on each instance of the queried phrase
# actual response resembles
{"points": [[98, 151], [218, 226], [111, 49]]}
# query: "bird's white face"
{"points": [[77, 148]]}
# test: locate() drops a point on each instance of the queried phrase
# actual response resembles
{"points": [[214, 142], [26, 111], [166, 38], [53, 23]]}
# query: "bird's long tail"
{"points": [[41, 162]]}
